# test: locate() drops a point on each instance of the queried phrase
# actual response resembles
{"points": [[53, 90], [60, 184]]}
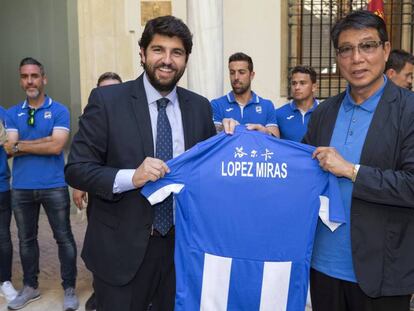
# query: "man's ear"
{"points": [[142, 55], [314, 87], [252, 74], [390, 73]]}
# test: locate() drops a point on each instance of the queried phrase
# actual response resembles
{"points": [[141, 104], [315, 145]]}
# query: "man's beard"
{"points": [[241, 89], [33, 94], [159, 85]]}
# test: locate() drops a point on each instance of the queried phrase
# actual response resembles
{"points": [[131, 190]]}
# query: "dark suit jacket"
{"points": [[115, 133], [382, 211]]}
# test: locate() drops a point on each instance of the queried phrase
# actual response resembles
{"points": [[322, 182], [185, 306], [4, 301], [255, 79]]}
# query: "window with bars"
{"points": [[310, 22]]}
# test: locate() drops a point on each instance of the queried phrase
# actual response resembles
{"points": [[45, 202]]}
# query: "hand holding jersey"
{"points": [[229, 125], [330, 160], [150, 169]]}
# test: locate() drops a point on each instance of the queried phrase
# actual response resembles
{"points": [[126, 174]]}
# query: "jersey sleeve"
{"points": [[271, 119], [181, 168], [172, 182], [62, 119], [217, 112], [331, 210], [279, 114], [9, 120]]}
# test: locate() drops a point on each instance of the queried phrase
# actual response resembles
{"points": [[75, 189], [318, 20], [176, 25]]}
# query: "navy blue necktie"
{"points": [[163, 212]]}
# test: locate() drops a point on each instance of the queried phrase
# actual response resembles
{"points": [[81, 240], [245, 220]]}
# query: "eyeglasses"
{"points": [[31, 119], [365, 48]]}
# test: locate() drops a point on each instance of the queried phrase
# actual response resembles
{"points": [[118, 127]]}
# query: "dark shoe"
{"points": [[90, 304]]}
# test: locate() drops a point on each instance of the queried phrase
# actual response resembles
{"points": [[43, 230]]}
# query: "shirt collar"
{"points": [[295, 107], [370, 104], [46, 103], [232, 99], [153, 95]]}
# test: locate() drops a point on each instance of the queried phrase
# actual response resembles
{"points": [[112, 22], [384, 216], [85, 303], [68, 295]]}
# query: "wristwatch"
{"points": [[15, 148], [355, 172]]}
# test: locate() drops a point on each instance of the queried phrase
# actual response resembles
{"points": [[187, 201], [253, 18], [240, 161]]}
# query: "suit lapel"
{"points": [[186, 115], [139, 106], [380, 118]]}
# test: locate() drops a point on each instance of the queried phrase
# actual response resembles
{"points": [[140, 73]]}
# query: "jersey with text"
{"points": [[246, 211]]}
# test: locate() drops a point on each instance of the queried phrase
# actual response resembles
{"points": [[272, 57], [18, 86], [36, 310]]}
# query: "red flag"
{"points": [[377, 7]]}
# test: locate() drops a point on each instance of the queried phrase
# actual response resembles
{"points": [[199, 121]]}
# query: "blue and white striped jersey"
{"points": [[246, 211]]}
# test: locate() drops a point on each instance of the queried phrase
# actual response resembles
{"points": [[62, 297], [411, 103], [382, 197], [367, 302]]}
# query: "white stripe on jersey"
{"points": [[275, 286], [216, 282]]}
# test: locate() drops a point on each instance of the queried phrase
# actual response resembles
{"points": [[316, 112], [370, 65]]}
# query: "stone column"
{"points": [[205, 67]]}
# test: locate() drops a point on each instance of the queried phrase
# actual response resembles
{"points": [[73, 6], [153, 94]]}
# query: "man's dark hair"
{"points": [[398, 59], [306, 70], [239, 56], [32, 61], [167, 26], [108, 76], [359, 20]]}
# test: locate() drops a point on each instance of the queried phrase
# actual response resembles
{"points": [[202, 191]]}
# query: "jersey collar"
{"points": [[46, 104], [294, 107], [232, 99]]}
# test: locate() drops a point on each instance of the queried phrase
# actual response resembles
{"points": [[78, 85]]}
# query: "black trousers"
{"points": [[331, 294], [154, 282]]}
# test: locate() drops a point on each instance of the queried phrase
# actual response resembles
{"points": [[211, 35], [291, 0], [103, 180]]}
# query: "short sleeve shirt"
{"points": [[292, 123], [257, 111], [33, 171]]}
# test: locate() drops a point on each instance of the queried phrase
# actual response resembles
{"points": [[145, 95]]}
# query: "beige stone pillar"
{"points": [[205, 68]]}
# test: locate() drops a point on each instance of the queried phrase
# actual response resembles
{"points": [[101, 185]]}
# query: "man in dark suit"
{"points": [[368, 131], [126, 133]]}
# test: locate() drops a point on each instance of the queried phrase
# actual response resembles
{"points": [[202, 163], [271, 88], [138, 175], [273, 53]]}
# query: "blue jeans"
{"points": [[26, 207], [6, 249]]}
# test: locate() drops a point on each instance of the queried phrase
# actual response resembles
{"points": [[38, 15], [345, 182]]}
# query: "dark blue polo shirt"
{"points": [[257, 111], [33, 171]]}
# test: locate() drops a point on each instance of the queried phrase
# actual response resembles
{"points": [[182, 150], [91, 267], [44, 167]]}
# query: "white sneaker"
{"points": [[7, 290]]}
